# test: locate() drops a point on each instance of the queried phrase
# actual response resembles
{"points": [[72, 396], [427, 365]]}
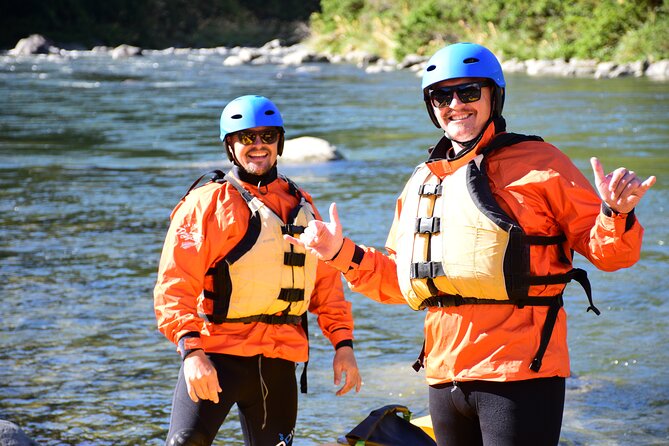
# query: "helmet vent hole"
{"points": [[431, 68], [269, 112], [237, 116], [470, 60]]}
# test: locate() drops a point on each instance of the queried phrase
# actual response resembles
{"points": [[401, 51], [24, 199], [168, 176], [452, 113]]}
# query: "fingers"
{"points": [[201, 378], [598, 170], [207, 390], [648, 183], [293, 240], [353, 379], [345, 364], [191, 392], [334, 214]]}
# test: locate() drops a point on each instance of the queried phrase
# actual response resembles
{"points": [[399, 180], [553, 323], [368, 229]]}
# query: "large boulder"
{"points": [[12, 435], [33, 44], [306, 149]]}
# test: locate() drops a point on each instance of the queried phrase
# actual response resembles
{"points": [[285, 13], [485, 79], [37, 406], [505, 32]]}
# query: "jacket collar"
{"points": [[443, 160]]}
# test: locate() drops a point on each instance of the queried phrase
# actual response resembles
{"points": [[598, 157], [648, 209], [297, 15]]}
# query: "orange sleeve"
{"points": [[199, 226], [373, 274], [610, 241], [335, 317]]}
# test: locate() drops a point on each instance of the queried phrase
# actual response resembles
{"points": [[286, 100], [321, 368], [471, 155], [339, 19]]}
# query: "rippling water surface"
{"points": [[95, 152]]}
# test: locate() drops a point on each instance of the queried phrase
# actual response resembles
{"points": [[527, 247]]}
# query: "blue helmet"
{"points": [[247, 112], [464, 60]]}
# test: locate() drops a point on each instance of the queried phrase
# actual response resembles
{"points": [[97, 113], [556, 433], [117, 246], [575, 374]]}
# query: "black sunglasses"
{"points": [[248, 137], [469, 92]]}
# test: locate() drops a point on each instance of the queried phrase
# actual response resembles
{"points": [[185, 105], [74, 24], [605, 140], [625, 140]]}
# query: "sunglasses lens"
{"points": [[470, 93], [441, 98], [467, 93], [247, 138], [269, 136]]}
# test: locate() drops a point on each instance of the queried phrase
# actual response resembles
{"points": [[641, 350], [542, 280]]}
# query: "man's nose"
{"points": [[455, 101]]}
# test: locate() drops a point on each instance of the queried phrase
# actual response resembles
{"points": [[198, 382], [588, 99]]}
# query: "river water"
{"points": [[95, 152]]}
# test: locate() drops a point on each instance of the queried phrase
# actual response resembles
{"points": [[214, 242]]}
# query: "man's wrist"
{"points": [[189, 343], [349, 255], [344, 343]]}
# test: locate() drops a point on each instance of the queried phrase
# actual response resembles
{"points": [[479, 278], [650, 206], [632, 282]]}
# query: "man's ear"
{"points": [[228, 149]]}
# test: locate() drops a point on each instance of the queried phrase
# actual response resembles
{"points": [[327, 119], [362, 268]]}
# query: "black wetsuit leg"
{"points": [[515, 413], [268, 411], [265, 391]]}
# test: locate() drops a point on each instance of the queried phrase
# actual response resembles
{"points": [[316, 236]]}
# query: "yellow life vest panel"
{"points": [[264, 278], [446, 243]]}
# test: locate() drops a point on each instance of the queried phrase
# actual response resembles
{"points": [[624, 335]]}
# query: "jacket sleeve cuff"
{"points": [[630, 218], [349, 256], [188, 343], [341, 337], [344, 343]]}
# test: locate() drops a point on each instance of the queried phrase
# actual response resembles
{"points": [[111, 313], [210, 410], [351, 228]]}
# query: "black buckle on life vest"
{"points": [[426, 270], [294, 258], [292, 229], [428, 225], [291, 294], [430, 189]]}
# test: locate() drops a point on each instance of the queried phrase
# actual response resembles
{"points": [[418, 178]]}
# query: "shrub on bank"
{"points": [[615, 30]]}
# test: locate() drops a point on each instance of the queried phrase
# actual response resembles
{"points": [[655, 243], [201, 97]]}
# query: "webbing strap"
{"points": [[546, 333], [217, 175], [291, 294], [275, 319], [577, 274], [452, 300], [303, 376], [545, 240]]}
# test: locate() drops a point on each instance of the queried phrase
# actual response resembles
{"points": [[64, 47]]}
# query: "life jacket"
{"points": [[263, 278], [457, 246]]}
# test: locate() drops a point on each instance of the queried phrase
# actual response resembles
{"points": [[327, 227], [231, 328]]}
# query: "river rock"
{"points": [[33, 44], [12, 435], [124, 50], [309, 149], [658, 70]]}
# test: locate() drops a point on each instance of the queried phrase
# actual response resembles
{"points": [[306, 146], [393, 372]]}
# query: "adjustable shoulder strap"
{"points": [[215, 175]]}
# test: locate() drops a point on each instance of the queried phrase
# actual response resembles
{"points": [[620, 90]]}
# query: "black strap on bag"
{"points": [[383, 427]]}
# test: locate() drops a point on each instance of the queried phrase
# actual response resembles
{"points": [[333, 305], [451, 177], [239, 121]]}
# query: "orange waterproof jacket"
{"points": [[540, 188], [204, 227]]}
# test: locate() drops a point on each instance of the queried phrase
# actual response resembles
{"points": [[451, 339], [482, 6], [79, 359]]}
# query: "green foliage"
{"points": [[619, 30], [651, 38]]}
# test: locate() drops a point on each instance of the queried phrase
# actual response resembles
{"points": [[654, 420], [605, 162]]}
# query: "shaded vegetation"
{"points": [[154, 23], [619, 30]]}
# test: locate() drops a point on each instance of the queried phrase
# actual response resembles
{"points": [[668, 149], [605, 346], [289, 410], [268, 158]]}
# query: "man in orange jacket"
{"points": [[482, 240], [232, 293]]}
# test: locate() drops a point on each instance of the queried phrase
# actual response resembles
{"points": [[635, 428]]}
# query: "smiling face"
{"points": [[463, 121], [257, 157]]}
